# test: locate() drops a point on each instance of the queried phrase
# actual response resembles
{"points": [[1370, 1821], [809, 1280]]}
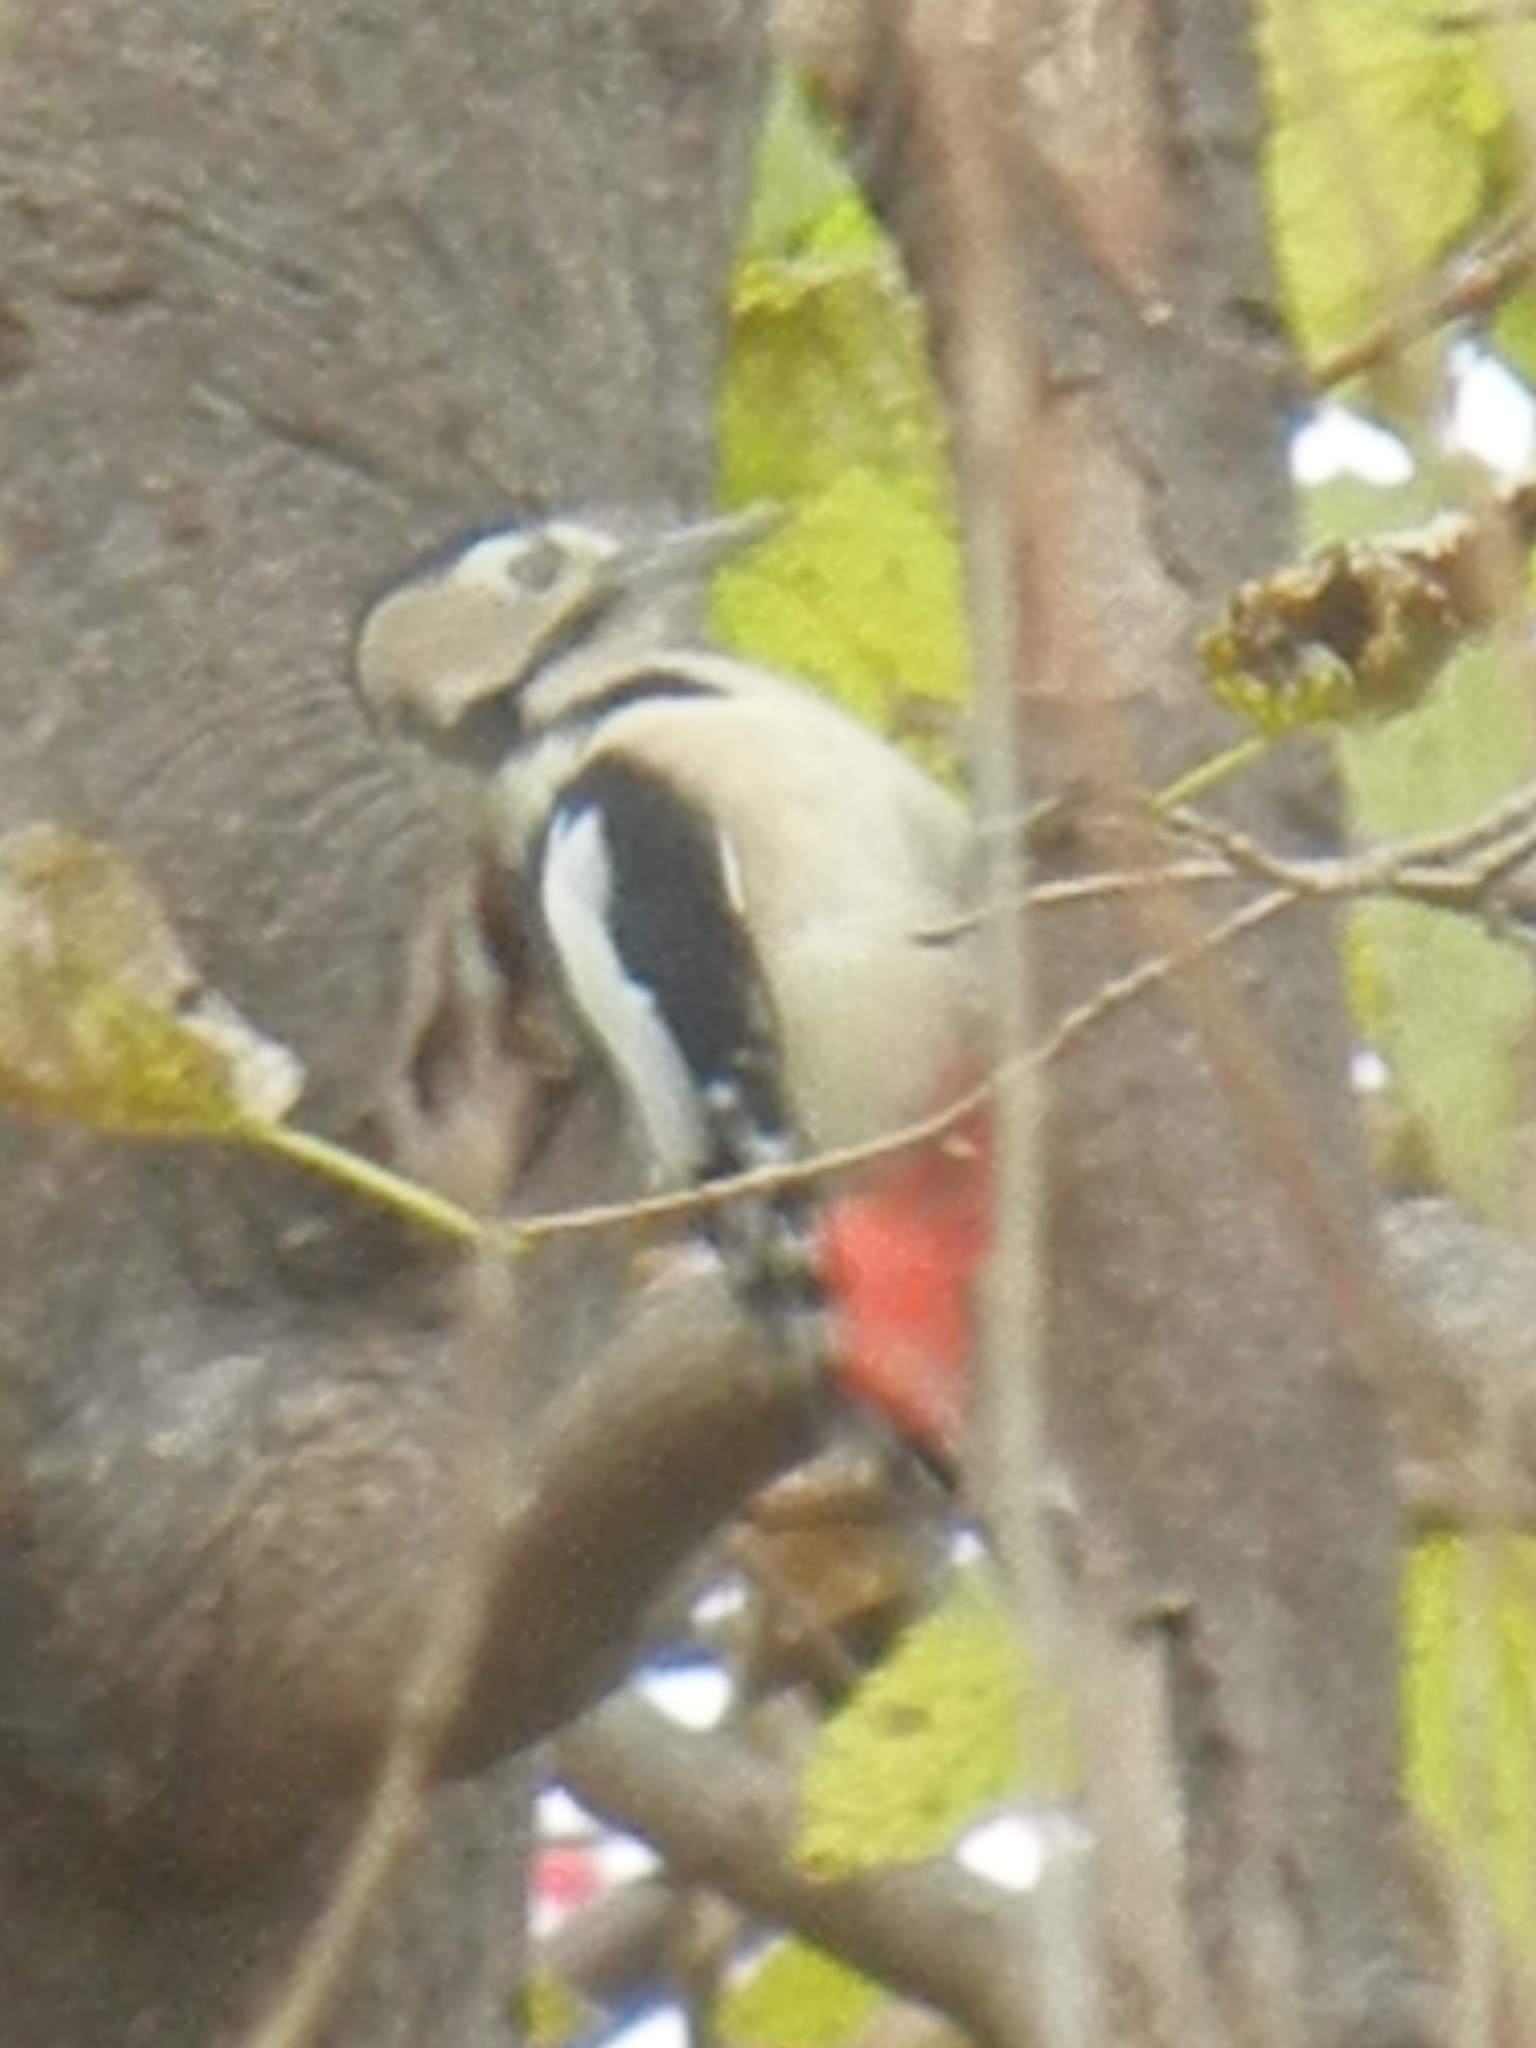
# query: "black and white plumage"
{"points": [[752, 901]]}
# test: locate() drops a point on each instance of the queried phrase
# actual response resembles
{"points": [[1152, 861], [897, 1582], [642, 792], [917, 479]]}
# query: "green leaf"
{"points": [[102, 1018], [797, 1997], [828, 412], [861, 592], [1449, 1006], [1389, 145], [104, 1022], [1469, 1702], [802, 196], [956, 1720], [552, 2011], [1513, 333], [826, 369]]}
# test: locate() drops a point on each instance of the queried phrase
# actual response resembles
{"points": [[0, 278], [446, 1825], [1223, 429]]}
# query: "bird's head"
{"points": [[475, 649]]}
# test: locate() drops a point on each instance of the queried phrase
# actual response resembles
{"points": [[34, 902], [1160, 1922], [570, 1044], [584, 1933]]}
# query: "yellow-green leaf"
{"points": [[1469, 1695], [828, 412], [1513, 333], [552, 2012], [861, 592], [102, 1018], [104, 1022], [802, 196], [796, 1997], [956, 1720], [1450, 1007], [1389, 145]]}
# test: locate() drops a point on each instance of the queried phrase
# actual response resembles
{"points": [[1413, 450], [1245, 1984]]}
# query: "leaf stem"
{"points": [[406, 1197]]}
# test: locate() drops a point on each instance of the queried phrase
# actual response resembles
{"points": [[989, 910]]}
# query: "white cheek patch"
{"points": [[575, 895], [488, 562]]}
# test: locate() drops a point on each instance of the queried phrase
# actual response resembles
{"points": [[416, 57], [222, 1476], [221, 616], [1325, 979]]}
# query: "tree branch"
{"points": [[722, 1815], [1470, 285]]}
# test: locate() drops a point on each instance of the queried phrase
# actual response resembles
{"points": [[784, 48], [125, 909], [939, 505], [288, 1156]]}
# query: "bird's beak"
{"points": [[690, 553]]}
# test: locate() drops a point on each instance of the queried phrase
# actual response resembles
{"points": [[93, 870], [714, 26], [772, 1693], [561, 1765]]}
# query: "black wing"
{"points": [[646, 891]]}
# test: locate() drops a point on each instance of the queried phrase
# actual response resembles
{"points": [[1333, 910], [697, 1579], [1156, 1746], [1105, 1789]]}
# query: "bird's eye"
{"points": [[538, 564]]}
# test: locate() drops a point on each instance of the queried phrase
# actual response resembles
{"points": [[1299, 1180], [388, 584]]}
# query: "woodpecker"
{"points": [[755, 908]]}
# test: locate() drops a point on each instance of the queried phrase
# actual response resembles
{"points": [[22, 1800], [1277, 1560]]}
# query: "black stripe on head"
{"points": [[491, 731], [647, 686], [676, 930]]}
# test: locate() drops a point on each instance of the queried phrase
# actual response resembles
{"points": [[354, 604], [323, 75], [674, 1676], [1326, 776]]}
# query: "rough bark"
{"points": [[287, 293], [1077, 192]]}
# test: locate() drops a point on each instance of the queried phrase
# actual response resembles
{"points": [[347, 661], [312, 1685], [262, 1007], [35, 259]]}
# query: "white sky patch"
{"points": [[1011, 1850], [1492, 417], [693, 1695], [1338, 443], [725, 1601], [1369, 1073], [561, 1819], [665, 2027]]}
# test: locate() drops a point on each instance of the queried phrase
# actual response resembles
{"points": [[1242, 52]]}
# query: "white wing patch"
{"points": [[730, 874], [576, 893]]}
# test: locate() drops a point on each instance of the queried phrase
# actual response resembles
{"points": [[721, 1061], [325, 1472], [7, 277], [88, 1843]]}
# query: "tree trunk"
{"points": [[1077, 192], [289, 292]]}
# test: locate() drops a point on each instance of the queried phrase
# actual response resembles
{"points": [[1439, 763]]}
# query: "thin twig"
{"points": [[1471, 284], [1457, 871], [1149, 974], [1453, 871]]}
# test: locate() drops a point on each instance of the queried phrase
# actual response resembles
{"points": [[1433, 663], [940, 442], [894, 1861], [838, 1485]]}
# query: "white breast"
{"points": [[852, 864]]}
